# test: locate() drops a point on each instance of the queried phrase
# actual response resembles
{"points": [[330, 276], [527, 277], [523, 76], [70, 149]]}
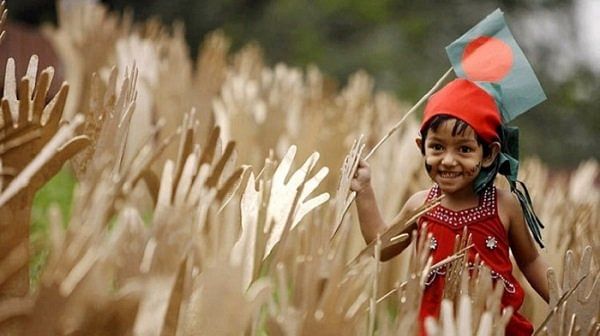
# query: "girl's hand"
{"points": [[362, 178]]}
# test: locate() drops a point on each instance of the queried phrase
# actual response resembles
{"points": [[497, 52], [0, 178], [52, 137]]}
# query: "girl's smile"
{"points": [[449, 175], [453, 160]]}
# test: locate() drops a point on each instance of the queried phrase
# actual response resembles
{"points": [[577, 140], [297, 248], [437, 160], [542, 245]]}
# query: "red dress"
{"points": [[491, 242]]}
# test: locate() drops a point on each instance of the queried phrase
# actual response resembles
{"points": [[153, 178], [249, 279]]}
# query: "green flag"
{"points": [[489, 55]]}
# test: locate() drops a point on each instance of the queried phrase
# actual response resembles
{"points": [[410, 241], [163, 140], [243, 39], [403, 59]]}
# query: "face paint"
{"points": [[456, 177], [474, 170]]}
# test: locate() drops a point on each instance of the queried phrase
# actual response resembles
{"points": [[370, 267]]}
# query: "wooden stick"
{"points": [[457, 255], [392, 291], [399, 225], [412, 109], [453, 257], [389, 133], [373, 301], [420, 211]]}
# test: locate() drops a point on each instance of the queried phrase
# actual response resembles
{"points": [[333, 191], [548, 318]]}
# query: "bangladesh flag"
{"points": [[489, 55]]}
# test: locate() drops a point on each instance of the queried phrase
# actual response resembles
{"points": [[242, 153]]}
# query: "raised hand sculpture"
{"points": [[33, 148], [576, 303]]}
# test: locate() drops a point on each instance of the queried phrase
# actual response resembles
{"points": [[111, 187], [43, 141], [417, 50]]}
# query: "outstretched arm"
{"points": [[530, 262], [369, 216]]}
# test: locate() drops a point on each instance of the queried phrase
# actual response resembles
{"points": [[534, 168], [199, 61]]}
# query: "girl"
{"points": [[460, 139]]}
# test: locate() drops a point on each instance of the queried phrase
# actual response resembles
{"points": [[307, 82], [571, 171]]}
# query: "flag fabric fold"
{"points": [[489, 55]]}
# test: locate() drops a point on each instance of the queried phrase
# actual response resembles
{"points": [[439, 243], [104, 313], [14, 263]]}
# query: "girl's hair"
{"points": [[459, 128]]}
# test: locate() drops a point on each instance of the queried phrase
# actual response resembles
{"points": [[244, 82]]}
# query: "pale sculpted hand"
{"points": [[28, 123], [283, 195], [344, 195], [33, 148], [584, 302]]}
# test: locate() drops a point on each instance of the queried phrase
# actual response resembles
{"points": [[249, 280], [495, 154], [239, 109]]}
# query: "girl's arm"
{"points": [[530, 262], [411, 204], [369, 216]]}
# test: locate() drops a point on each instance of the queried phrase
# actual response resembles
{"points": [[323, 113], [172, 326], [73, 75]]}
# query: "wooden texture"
{"points": [[33, 147]]}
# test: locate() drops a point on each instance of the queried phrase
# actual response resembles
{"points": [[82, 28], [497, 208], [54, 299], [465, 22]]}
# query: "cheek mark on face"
{"points": [[474, 170]]}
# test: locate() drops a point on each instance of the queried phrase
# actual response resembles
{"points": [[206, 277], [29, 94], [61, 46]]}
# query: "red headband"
{"points": [[464, 100]]}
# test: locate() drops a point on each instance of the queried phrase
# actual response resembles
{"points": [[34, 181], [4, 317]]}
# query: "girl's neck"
{"points": [[461, 200]]}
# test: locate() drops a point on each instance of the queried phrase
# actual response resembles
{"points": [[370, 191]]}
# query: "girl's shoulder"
{"points": [[508, 205], [417, 199]]}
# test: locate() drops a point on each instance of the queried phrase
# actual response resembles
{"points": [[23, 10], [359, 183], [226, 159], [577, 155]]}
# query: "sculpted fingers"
{"points": [[555, 292], [307, 166], [284, 167], [314, 182], [166, 185], [310, 205]]}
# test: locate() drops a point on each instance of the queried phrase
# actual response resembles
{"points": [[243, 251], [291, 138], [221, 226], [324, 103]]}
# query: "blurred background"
{"points": [[400, 43]]}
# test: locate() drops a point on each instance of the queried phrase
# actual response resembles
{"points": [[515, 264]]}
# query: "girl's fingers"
{"points": [[354, 185], [362, 175]]}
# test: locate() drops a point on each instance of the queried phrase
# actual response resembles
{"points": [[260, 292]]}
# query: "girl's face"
{"points": [[453, 161]]}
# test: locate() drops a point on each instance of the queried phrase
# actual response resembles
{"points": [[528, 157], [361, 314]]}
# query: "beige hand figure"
{"points": [[284, 203], [345, 193], [33, 148], [479, 308], [575, 304], [28, 123]]}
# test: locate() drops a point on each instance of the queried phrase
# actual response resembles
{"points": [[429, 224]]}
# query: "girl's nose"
{"points": [[448, 159]]}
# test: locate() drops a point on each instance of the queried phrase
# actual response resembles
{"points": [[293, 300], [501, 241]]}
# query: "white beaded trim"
{"points": [[433, 273], [495, 275], [441, 270], [485, 209]]}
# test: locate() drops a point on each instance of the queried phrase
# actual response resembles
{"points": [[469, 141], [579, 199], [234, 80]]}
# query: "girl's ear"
{"points": [[419, 142], [491, 157]]}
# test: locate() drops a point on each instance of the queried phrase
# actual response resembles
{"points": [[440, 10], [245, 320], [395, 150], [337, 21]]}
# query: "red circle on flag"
{"points": [[487, 59]]}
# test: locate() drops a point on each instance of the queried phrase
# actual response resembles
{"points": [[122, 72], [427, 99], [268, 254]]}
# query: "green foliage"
{"points": [[58, 191], [399, 42], [564, 130]]}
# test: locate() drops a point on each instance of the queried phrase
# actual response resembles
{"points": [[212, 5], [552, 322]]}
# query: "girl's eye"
{"points": [[466, 149], [436, 147]]}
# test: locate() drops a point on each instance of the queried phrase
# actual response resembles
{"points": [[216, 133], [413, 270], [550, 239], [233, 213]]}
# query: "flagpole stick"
{"points": [[412, 109], [389, 133]]}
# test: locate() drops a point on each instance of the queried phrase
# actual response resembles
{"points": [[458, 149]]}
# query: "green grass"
{"points": [[59, 190]]}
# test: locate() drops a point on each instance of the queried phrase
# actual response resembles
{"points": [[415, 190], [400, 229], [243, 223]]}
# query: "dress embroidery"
{"points": [[455, 220], [441, 271], [485, 209], [433, 243], [491, 242]]}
